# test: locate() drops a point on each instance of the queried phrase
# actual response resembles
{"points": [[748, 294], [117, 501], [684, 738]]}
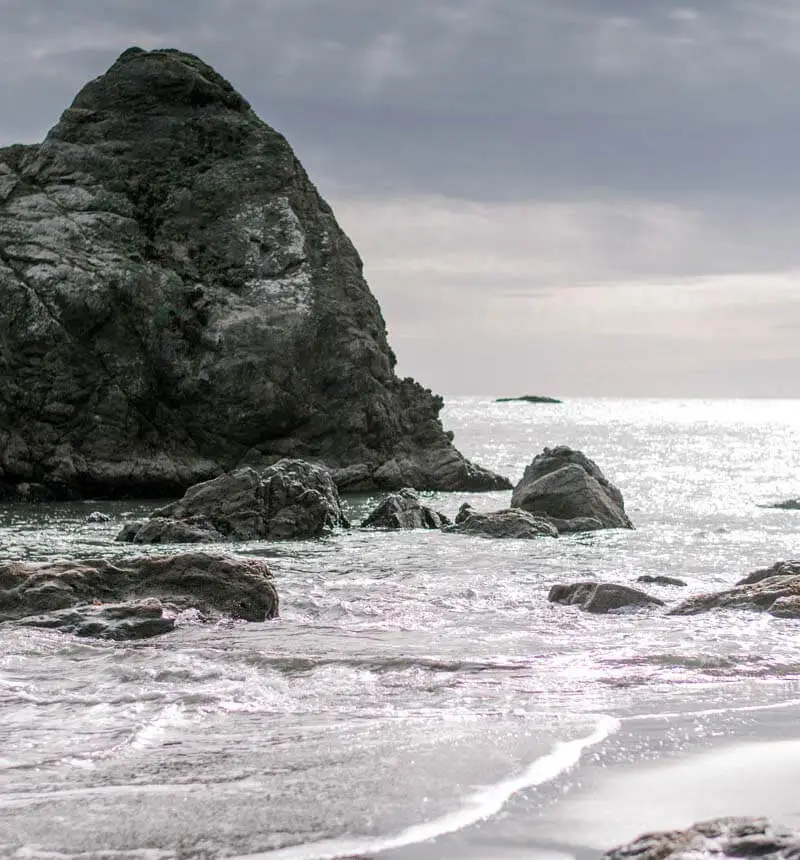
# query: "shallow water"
{"points": [[418, 696]]}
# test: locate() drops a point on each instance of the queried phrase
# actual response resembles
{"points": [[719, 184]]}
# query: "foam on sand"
{"points": [[484, 803]]}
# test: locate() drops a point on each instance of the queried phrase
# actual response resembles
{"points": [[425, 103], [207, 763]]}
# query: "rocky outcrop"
{"points": [[566, 484], [508, 523], [404, 510], [779, 595], [600, 597], [740, 837], [291, 500], [137, 597], [178, 300]]}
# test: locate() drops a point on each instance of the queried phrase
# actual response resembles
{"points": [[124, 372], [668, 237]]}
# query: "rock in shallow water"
{"points": [[508, 523], [177, 297], [403, 510], [711, 840], [778, 595], [600, 597], [566, 484], [74, 595], [291, 500]]}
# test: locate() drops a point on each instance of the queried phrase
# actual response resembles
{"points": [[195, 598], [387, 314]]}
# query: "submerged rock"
{"points": [[779, 595], [739, 837], [178, 299], [566, 484], [403, 510], [291, 500], [508, 523], [75, 595], [600, 597], [660, 580]]}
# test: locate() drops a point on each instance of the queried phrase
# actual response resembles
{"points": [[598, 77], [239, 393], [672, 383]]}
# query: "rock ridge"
{"points": [[179, 300]]}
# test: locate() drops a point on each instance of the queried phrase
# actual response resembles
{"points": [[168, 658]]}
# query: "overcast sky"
{"points": [[577, 197]]}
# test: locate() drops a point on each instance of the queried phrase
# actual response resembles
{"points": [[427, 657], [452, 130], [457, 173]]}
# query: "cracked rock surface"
{"points": [[178, 300]]}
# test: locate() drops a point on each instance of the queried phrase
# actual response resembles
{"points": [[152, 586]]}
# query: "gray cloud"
{"points": [[488, 155]]}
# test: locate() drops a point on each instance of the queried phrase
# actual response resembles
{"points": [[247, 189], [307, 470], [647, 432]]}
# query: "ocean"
{"points": [[419, 697]]}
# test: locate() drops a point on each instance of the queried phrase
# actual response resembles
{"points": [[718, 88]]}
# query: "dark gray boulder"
{"points": [[404, 510], [788, 505], [740, 837], [178, 299], [601, 597], [660, 580], [75, 595], [508, 523], [566, 485], [779, 595], [291, 500], [135, 619]]}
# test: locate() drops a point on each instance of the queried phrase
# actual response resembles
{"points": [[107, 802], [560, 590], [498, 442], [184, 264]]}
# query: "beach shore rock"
{"points": [[136, 597], [508, 523], [292, 500], [600, 597], [775, 590], [740, 837], [404, 510], [566, 484], [178, 300]]}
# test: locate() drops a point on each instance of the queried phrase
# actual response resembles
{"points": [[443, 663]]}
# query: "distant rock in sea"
{"points": [[788, 505], [528, 398], [601, 597], [179, 300]]}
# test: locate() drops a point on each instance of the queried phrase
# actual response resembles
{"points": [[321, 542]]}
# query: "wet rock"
{"points": [[660, 580], [788, 505], [178, 297], [780, 568], [508, 523], [778, 595], [574, 525], [741, 837], [403, 510], [600, 597], [565, 484], [137, 619], [291, 500], [74, 595], [528, 398]]}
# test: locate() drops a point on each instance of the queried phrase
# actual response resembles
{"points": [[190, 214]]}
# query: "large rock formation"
{"points": [[178, 299], [123, 600], [566, 484], [291, 500]]}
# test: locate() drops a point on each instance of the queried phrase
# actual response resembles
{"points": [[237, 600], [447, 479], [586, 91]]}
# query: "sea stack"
{"points": [[178, 299]]}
